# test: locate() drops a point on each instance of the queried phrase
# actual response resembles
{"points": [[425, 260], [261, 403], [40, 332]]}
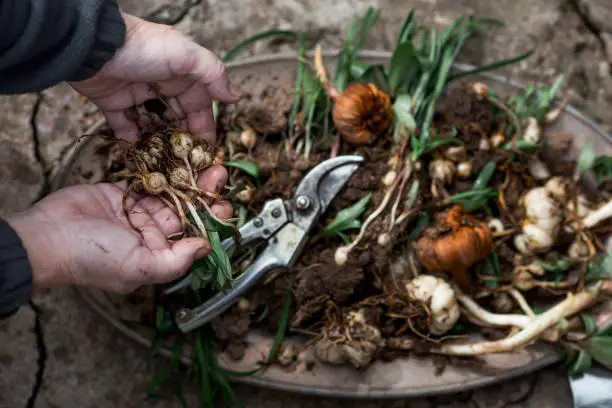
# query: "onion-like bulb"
{"points": [[454, 244], [181, 144], [179, 177], [362, 112], [154, 183], [200, 158]]}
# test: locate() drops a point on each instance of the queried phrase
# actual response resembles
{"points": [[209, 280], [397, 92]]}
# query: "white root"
{"points": [[531, 328], [196, 217], [520, 300], [492, 319], [343, 251], [595, 217], [529, 333]]}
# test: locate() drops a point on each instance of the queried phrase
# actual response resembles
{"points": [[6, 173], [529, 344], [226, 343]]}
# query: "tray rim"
{"points": [[85, 294]]}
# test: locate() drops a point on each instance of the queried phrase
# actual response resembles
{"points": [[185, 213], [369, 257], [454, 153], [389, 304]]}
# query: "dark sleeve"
{"points": [[45, 42], [15, 272]]}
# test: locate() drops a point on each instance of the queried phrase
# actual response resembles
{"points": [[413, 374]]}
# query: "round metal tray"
{"points": [[408, 377]]}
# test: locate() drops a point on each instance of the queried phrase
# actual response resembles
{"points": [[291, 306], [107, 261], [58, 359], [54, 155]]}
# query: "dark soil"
{"points": [[316, 282]]}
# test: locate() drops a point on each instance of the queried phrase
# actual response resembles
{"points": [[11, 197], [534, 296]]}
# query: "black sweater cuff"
{"points": [[15, 272], [45, 42]]}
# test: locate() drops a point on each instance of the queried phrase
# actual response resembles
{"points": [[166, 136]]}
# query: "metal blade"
{"points": [[320, 186]]}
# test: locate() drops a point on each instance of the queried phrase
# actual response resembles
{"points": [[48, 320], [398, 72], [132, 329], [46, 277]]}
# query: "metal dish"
{"points": [[410, 377]]}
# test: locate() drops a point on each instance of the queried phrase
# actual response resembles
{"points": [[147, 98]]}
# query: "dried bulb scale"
{"points": [[361, 113], [455, 243]]}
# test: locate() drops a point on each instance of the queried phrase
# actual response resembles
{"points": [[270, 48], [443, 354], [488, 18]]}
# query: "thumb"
{"points": [[210, 71], [172, 263]]}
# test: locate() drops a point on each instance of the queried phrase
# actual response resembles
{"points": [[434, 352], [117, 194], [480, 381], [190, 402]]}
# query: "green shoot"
{"points": [[492, 269], [251, 168], [600, 268], [216, 268], [356, 34], [282, 327], [479, 195], [348, 218], [534, 101], [602, 166]]}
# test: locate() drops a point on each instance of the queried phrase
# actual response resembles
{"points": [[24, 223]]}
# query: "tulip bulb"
{"points": [[455, 243], [362, 112], [181, 144]]}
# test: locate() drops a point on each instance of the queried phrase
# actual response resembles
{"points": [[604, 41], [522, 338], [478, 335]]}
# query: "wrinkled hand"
{"points": [[80, 236], [188, 75]]}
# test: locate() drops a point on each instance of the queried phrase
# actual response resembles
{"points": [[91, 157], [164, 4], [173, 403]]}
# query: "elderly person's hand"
{"points": [[80, 236], [154, 54]]}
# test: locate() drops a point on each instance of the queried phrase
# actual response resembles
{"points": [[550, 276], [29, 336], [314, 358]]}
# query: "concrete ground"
{"points": [[88, 365]]}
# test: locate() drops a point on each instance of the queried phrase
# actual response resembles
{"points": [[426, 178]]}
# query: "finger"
{"points": [[210, 71], [122, 126], [128, 96], [202, 125], [212, 179], [165, 217], [222, 210], [166, 265], [195, 98]]}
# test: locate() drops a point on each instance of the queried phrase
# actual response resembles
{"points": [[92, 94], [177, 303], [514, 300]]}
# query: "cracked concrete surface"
{"points": [[88, 364]]}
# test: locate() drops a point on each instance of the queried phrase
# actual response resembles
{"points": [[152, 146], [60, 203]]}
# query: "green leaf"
{"points": [[603, 168], [600, 268], [248, 167], [404, 63], [492, 269], [402, 108], [241, 46], [485, 176], [582, 363], [589, 322], [421, 223], [282, 326], [586, 160], [408, 29], [346, 217], [472, 200], [600, 347]]}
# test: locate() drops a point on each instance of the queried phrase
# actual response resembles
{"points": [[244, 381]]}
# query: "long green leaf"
{"points": [[282, 326], [404, 63], [241, 46]]}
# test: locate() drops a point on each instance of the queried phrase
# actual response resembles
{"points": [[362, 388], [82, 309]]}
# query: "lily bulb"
{"points": [[440, 299]]}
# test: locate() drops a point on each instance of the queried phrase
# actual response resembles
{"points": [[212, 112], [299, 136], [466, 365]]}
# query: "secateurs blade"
{"points": [[286, 225]]}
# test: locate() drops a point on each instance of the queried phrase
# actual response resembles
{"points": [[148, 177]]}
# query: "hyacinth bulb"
{"points": [[361, 113]]}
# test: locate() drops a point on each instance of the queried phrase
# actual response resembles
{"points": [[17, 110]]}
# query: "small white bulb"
{"points": [[464, 169], [532, 133], [484, 144], [384, 239], [341, 255], [389, 178]]}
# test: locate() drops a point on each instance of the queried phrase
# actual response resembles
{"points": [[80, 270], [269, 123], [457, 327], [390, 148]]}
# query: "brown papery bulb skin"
{"points": [[454, 244], [361, 113]]}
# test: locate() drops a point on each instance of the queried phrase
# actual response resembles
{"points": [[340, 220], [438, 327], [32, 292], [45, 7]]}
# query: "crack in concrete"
{"points": [[581, 9], [42, 355], [37, 147], [172, 14]]}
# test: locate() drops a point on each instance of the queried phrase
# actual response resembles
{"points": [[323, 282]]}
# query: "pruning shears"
{"points": [[286, 225]]}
